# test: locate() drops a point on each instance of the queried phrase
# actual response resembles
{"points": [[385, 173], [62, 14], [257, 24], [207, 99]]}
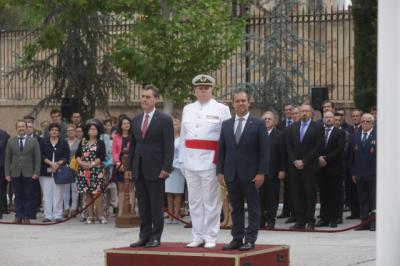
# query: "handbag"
{"points": [[73, 164], [64, 175]]}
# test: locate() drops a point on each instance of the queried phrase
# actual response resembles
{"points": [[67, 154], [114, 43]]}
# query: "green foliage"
{"points": [[365, 52], [174, 40], [279, 67], [69, 48]]}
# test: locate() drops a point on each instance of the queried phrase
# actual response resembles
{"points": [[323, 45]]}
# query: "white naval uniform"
{"points": [[202, 122]]}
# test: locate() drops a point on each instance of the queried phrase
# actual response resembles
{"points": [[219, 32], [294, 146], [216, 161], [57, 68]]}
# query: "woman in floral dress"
{"points": [[90, 156]]}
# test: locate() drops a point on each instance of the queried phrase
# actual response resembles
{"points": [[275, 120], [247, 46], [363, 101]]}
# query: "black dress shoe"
{"points": [[140, 243], [247, 246], [290, 220], [333, 224], [270, 225], [234, 244], [283, 215], [353, 217], [152, 244], [297, 226], [339, 221], [1, 216], [321, 223], [372, 226], [311, 226]]}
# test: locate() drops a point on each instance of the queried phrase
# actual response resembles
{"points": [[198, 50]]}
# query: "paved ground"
{"points": [[74, 243]]}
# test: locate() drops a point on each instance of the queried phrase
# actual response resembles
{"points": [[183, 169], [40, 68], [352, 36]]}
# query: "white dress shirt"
{"points": [[245, 117], [151, 114]]}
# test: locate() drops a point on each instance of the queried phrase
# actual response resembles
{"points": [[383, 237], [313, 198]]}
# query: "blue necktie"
{"points": [[288, 122], [327, 135], [303, 130]]}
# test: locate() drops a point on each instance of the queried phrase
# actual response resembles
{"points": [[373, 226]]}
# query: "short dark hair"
{"points": [[338, 114], [153, 88], [55, 111], [328, 101], [28, 117], [241, 91], [20, 121], [54, 125]]}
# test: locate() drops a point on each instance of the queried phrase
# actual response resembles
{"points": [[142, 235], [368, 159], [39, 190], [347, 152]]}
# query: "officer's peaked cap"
{"points": [[204, 80]]}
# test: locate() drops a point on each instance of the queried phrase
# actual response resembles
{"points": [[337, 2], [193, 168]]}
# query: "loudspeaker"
{"points": [[68, 106], [318, 96]]}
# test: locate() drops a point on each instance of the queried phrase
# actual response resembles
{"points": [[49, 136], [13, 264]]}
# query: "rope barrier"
{"points": [[360, 225]]}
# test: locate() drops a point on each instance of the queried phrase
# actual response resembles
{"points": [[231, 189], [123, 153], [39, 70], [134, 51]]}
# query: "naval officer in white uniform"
{"points": [[200, 132]]}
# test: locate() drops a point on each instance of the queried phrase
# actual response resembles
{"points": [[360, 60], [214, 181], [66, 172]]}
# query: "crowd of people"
{"points": [[216, 160]]}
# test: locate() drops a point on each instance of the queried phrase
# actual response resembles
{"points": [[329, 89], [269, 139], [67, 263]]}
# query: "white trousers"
{"points": [[53, 197], [70, 195], [204, 204]]}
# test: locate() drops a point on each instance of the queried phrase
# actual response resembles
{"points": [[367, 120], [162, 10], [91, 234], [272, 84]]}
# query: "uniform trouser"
{"points": [[288, 208], [330, 196], [204, 204], [23, 191], [150, 196], [53, 197], [3, 192], [239, 192], [304, 189], [70, 196], [366, 197]]}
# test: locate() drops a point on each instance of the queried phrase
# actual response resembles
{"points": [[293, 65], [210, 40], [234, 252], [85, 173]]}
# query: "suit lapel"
{"points": [[138, 126]]}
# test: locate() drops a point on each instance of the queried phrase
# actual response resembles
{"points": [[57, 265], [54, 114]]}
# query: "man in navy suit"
{"points": [[150, 161], [351, 195], [331, 172], [242, 165], [363, 168], [277, 162], [303, 144]]}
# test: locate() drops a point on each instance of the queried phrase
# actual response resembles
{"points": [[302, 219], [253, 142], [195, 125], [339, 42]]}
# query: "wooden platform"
{"points": [[176, 254]]}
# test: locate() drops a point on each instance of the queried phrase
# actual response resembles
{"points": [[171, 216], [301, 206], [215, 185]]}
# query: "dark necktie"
{"points": [[327, 130], [289, 122], [364, 139], [145, 125], [238, 132], [21, 144]]}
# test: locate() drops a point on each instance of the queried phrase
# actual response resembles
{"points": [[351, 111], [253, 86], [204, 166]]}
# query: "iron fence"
{"points": [[331, 67]]}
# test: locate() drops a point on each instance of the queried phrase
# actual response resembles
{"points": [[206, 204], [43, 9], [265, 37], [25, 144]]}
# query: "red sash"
{"points": [[211, 145]]}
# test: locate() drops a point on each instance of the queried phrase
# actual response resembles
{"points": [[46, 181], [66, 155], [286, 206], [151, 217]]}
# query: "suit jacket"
{"points": [[61, 152], [155, 152], [363, 157], [277, 160], [3, 143], [25, 163], [282, 125], [333, 152], [308, 149], [247, 158]]}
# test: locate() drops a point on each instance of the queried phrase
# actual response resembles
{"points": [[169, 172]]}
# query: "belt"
{"points": [[211, 145]]}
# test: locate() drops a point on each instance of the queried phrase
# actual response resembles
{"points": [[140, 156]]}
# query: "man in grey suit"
{"points": [[21, 167]]}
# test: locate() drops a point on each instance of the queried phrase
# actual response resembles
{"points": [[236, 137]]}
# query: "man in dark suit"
{"points": [[290, 113], [150, 161], [331, 172], [242, 165], [363, 168], [277, 162], [21, 167], [3, 183], [303, 144], [351, 195]]}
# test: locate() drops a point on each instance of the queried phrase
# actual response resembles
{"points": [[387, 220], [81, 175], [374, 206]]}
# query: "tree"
{"points": [[365, 52], [70, 47], [279, 67], [174, 40]]}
